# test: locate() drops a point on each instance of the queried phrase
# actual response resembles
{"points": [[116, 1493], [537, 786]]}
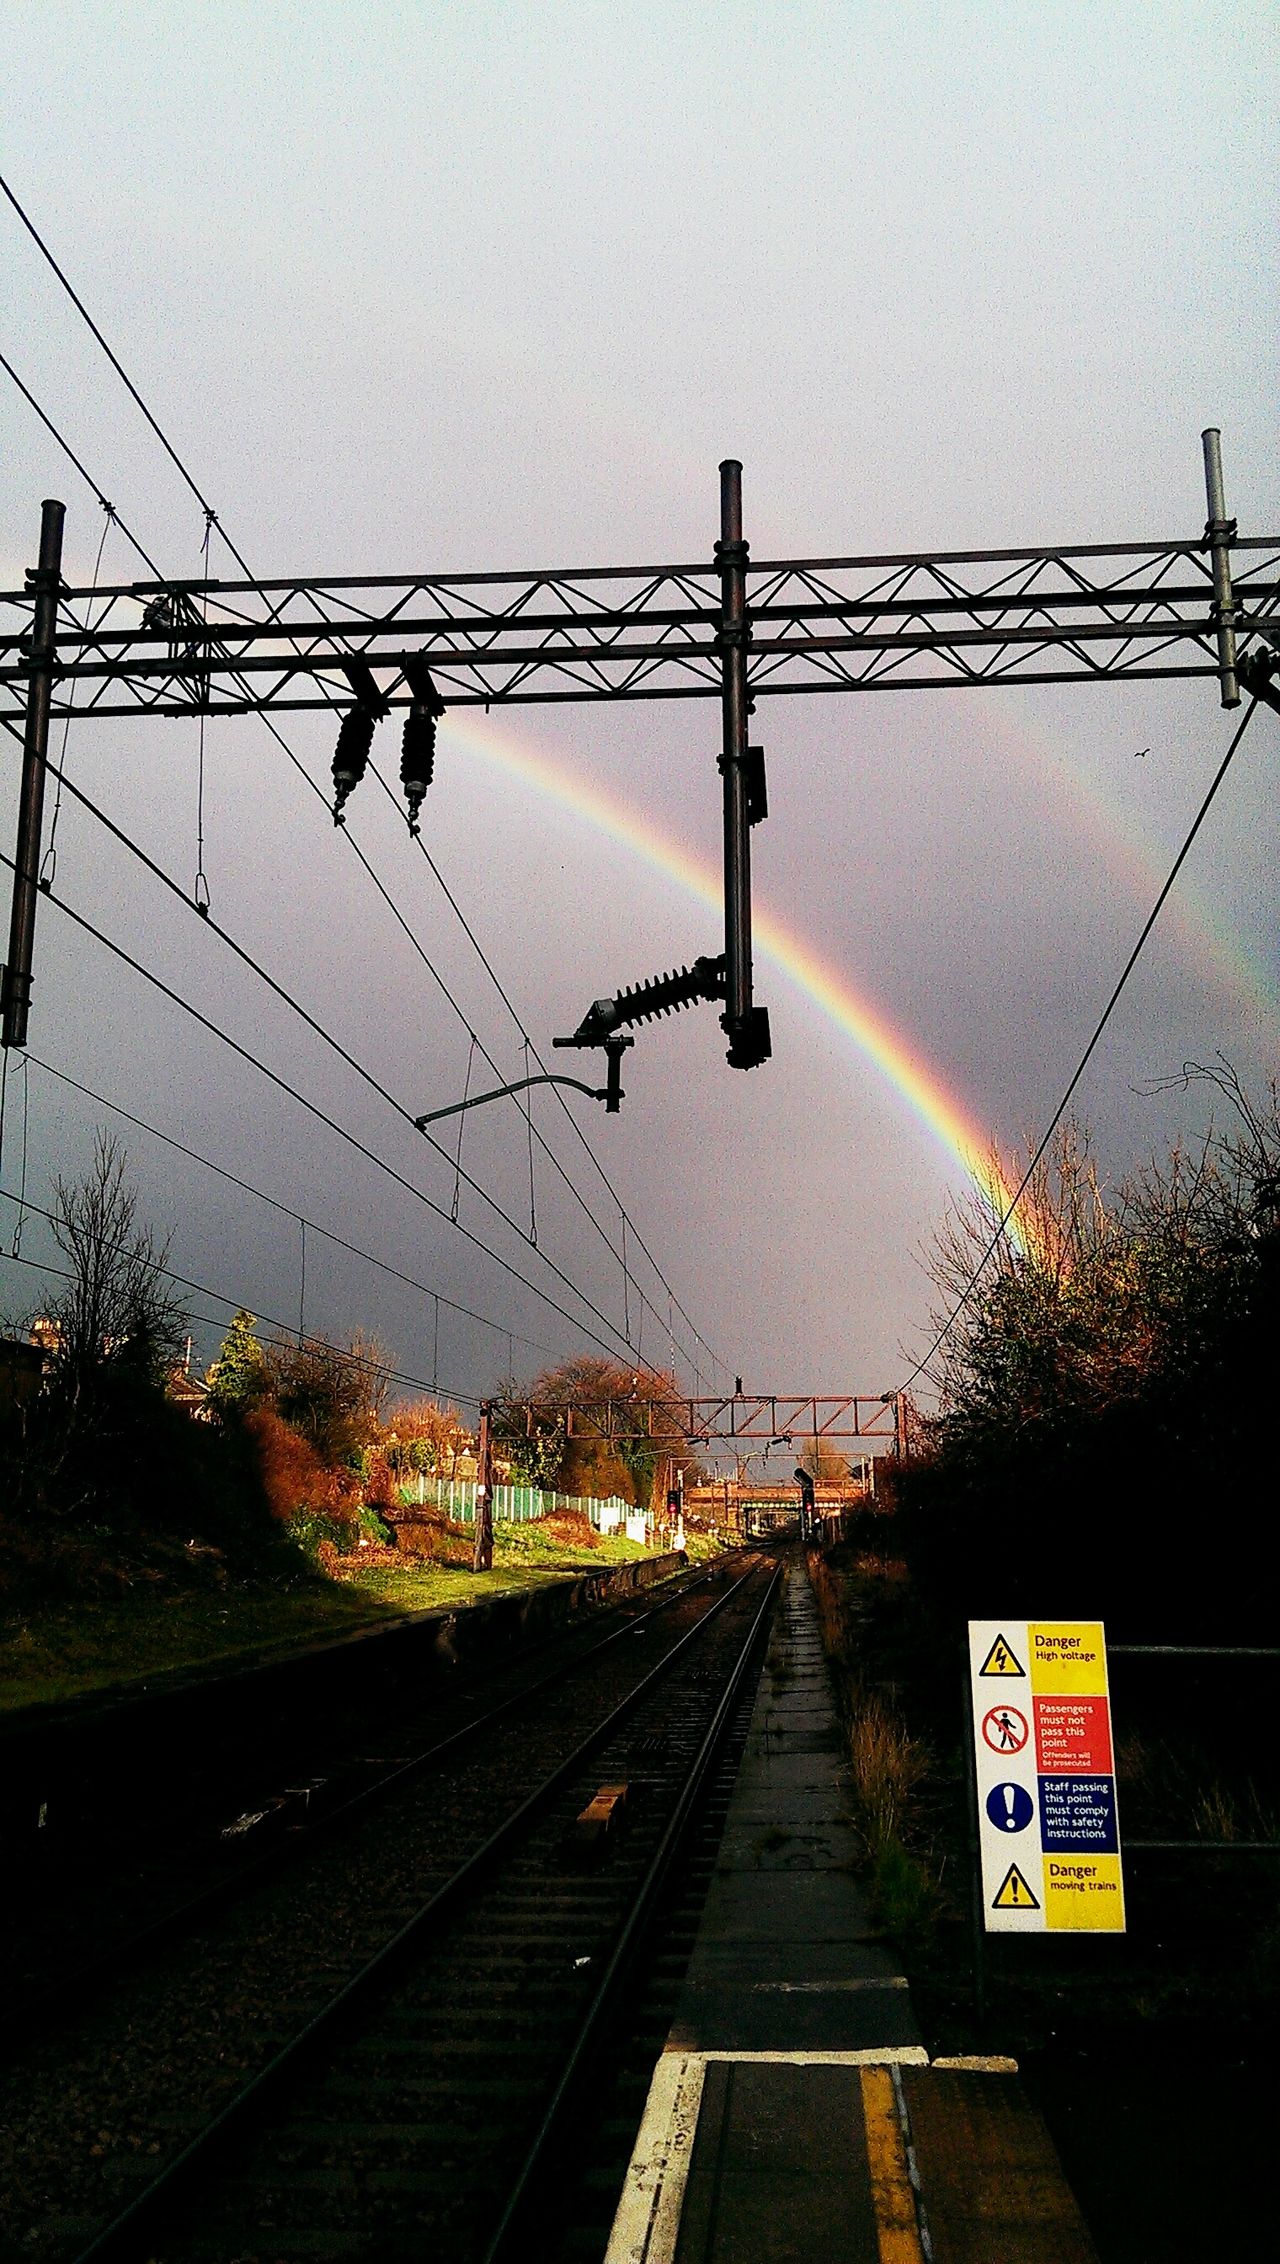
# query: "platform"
{"points": [[794, 2114]]}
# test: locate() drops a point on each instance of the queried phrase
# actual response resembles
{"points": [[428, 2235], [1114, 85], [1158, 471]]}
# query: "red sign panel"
{"points": [[1073, 1734]]}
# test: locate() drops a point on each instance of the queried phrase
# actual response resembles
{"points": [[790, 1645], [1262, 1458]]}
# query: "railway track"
{"points": [[337, 2108], [146, 1890]]}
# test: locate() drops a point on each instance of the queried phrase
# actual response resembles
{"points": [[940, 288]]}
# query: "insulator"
{"points": [[418, 758], [666, 994], [350, 756]]}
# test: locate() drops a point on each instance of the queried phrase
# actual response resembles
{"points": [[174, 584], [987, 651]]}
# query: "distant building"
{"points": [[21, 1367], [190, 1393]]}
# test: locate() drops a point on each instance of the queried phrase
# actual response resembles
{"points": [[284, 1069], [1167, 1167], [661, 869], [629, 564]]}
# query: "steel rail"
{"points": [[84, 1981], [129, 2233], [595, 2019]]}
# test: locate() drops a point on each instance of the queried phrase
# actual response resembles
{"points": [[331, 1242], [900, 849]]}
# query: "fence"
{"points": [[512, 1505]]}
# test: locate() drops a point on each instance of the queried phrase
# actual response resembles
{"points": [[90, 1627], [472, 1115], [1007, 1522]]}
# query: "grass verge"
{"points": [[57, 1650]]}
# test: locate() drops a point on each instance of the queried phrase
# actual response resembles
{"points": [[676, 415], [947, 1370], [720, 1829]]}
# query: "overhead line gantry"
{"points": [[732, 628]]}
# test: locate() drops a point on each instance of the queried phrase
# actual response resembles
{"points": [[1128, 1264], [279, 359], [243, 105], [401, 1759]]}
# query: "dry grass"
{"points": [[569, 1529], [887, 1764], [1177, 1794]]}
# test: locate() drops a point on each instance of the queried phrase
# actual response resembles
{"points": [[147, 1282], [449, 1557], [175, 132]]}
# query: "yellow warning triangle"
{"points": [[1000, 1660], [1014, 1893]]}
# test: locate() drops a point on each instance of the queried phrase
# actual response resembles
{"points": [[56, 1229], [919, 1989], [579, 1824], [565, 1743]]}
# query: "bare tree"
{"points": [[118, 1312]]}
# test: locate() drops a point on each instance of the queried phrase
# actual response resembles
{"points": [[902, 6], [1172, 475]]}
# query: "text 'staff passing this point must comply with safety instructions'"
{"points": [[1048, 1832]]}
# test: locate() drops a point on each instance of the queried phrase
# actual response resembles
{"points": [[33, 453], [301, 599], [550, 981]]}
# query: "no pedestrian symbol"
{"points": [[1014, 1893], [1005, 1730], [1000, 1660]]}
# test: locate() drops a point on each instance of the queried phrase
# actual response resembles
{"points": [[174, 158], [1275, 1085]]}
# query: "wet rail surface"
{"points": [[393, 2021], [79, 1907]]}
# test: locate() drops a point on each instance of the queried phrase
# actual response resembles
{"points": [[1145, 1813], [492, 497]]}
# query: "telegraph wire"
{"points": [[1083, 1063], [101, 1100], [313, 1108]]}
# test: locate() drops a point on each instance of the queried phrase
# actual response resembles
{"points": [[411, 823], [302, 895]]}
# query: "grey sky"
{"points": [[434, 287]]}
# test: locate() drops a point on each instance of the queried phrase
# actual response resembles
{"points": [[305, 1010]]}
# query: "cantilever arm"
{"points": [[455, 1108]]}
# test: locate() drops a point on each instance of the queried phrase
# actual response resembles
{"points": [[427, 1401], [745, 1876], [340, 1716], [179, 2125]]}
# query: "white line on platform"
{"points": [[647, 2225], [874, 2055], [820, 1988]]}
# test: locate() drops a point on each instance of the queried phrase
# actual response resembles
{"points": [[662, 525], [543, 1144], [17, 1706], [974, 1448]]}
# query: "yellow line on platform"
{"points": [[896, 2228]]}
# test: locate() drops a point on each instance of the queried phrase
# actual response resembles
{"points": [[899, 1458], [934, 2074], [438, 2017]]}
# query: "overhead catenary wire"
{"points": [[212, 520], [476, 1043], [1060, 1111], [122, 373], [214, 924], [287, 1210], [313, 1108], [570, 1118], [202, 897], [212, 1320], [87, 476], [318, 1028]]}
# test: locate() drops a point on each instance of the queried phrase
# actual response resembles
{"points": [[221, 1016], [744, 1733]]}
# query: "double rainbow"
{"points": [[919, 1086]]}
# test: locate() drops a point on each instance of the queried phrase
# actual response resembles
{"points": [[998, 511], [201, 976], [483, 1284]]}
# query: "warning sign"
{"points": [[1000, 1660], [1078, 1812], [1073, 1733], [1045, 1777], [1084, 1896], [1013, 1893], [1005, 1729]]}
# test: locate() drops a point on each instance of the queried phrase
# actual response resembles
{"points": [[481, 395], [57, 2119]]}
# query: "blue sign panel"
{"points": [[1010, 1807], [1078, 1812]]}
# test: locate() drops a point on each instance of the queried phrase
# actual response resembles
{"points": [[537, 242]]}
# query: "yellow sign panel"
{"points": [[1084, 1893], [1067, 1655], [1000, 1660]]}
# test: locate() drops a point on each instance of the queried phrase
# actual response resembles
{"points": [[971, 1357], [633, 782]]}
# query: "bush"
{"points": [[1106, 1392], [320, 1537], [294, 1479]]}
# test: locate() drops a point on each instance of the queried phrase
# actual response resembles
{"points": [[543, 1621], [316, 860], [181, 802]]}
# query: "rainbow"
{"points": [[918, 1085], [1114, 837]]}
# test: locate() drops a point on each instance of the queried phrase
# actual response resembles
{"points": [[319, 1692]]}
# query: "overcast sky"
{"points": [[432, 287]]}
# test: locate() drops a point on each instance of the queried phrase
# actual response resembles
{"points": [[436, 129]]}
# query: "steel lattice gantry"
{"points": [[729, 628], [740, 1418], [926, 621]]}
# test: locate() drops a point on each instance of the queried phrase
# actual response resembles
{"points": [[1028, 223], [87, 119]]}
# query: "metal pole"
{"points": [[1219, 533], [483, 1558], [973, 1827], [737, 1021], [46, 581]]}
